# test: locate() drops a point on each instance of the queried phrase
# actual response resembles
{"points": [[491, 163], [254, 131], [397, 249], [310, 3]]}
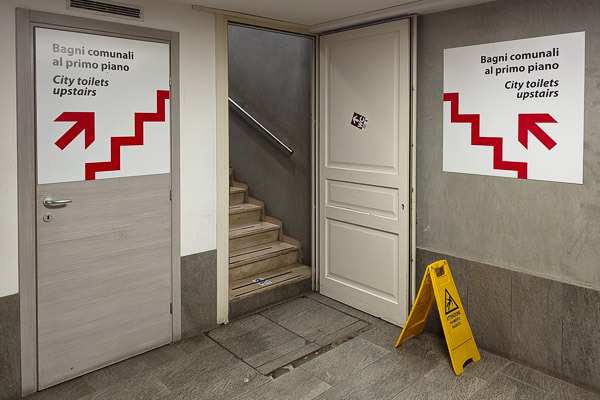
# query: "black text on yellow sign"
{"points": [[439, 286]]}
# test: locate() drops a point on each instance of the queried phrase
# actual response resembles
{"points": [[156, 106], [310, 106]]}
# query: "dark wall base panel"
{"points": [[10, 347], [547, 325], [198, 293]]}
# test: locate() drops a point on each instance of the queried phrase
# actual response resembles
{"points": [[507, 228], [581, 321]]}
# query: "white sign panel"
{"points": [[515, 108], [102, 107]]}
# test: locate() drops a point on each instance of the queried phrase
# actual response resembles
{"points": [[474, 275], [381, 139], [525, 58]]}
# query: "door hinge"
{"points": [[170, 195], [171, 308], [170, 80]]}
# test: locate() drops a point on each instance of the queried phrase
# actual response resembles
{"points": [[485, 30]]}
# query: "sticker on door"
{"points": [[359, 121]]}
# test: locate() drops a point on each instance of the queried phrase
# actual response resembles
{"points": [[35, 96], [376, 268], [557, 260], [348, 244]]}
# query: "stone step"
{"points": [[236, 195], [268, 281], [244, 214], [259, 259], [254, 234], [257, 250]]}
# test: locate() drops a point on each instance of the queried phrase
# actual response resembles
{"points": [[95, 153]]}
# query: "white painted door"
{"points": [[364, 168], [103, 201]]}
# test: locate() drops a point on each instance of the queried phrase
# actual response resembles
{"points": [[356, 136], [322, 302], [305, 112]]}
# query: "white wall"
{"points": [[198, 124]]}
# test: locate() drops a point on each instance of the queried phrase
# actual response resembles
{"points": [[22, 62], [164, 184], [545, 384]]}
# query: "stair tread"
{"points": [[243, 207], [260, 252], [234, 189], [276, 277], [251, 229]]}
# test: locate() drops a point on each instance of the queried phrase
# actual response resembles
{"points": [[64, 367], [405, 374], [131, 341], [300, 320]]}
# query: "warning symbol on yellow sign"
{"points": [[450, 303], [438, 285]]}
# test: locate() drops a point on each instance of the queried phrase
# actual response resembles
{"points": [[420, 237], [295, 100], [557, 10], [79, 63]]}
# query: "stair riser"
{"points": [[258, 267], [264, 298], [285, 277], [236, 198], [253, 240], [244, 218]]}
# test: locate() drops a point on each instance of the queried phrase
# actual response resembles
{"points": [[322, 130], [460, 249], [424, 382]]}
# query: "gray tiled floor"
{"points": [[311, 348]]}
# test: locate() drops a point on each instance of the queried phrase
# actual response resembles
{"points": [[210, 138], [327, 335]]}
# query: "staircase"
{"points": [[265, 266]]}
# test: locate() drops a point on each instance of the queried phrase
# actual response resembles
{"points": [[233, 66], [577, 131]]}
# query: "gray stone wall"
{"points": [[10, 347], [198, 293], [270, 75], [541, 228], [542, 323]]}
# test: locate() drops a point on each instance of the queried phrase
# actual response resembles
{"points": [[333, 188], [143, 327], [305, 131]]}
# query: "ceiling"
{"points": [[317, 13]]}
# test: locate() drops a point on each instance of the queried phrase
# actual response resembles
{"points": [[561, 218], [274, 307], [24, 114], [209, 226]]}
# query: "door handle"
{"points": [[50, 202]]}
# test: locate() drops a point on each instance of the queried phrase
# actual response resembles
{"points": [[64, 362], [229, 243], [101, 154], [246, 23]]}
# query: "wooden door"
{"points": [[103, 201], [364, 168]]}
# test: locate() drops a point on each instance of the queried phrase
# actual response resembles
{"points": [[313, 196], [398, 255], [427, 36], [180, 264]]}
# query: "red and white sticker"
{"points": [[359, 121]]}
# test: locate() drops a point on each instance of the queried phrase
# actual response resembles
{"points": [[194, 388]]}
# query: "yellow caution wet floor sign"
{"points": [[438, 285]]}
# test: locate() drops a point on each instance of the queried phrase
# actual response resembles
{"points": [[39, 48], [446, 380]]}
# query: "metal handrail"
{"points": [[280, 145]]}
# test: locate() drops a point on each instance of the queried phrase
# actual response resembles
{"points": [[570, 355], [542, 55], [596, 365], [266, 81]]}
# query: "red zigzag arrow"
{"points": [[136, 140], [476, 140]]}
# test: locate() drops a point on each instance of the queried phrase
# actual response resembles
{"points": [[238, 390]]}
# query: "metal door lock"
{"points": [[47, 217]]}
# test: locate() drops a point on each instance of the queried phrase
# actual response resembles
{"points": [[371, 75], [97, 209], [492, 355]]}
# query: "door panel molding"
{"points": [[26, 21], [346, 249], [374, 200]]}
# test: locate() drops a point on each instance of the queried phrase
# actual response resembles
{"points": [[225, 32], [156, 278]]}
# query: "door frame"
{"points": [[222, 21], [413, 162], [26, 21]]}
